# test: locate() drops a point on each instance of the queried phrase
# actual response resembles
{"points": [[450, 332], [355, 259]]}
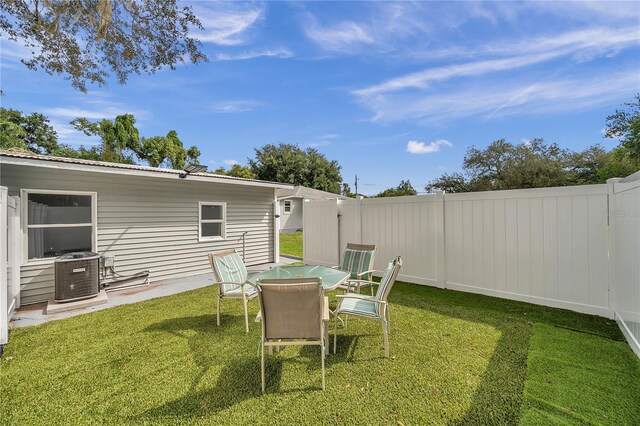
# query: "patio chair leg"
{"points": [[322, 349], [386, 339], [371, 287], [335, 332], [246, 315], [262, 365], [388, 315], [218, 312]]}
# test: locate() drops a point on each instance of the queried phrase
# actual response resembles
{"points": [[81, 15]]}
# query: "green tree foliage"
{"points": [[167, 151], [121, 143], [404, 188], [346, 190], [287, 163], [12, 136], [86, 40], [533, 164], [236, 171], [119, 137], [37, 134], [624, 125]]}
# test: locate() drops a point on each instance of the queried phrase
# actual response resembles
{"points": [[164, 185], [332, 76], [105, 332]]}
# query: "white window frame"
{"points": [[24, 197], [284, 207], [223, 221]]}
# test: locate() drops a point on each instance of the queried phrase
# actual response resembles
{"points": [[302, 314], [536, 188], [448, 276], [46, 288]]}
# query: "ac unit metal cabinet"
{"points": [[77, 276]]}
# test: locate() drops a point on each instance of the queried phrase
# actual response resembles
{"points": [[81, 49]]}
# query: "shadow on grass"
{"points": [[239, 378]]}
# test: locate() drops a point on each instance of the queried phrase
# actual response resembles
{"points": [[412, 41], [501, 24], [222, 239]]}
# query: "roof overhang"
{"points": [[60, 164]]}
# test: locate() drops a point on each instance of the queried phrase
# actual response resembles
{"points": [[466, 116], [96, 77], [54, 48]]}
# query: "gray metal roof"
{"points": [[307, 193], [12, 157]]}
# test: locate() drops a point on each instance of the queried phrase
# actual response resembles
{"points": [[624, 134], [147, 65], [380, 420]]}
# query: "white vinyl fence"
{"points": [[9, 261], [545, 246], [624, 219], [574, 247]]}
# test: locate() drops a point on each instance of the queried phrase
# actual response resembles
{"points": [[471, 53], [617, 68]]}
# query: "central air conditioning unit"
{"points": [[77, 276]]}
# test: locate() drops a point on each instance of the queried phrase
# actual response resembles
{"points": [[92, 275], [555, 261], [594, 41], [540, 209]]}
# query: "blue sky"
{"points": [[392, 90]]}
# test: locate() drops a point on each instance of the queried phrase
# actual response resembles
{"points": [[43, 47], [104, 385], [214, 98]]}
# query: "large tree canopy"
{"points": [[35, 134], [404, 188], [121, 143], [532, 164], [624, 125], [87, 40], [120, 140], [236, 170], [288, 163]]}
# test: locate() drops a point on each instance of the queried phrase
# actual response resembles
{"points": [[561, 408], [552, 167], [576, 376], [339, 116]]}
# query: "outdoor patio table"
{"points": [[331, 278]]}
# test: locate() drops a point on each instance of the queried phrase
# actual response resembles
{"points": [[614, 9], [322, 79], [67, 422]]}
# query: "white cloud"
{"points": [[73, 112], [280, 53], [12, 52], [417, 147], [230, 162], [233, 107], [498, 99], [583, 45], [342, 37], [226, 23], [95, 105]]}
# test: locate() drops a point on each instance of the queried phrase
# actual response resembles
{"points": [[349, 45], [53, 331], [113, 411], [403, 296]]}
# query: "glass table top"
{"points": [[331, 278]]}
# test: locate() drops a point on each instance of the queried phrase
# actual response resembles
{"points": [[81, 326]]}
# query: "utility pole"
{"points": [[356, 185]]}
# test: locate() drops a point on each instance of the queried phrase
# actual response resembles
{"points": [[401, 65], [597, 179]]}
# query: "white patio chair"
{"points": [[231, 276], [294, 312], [358, 260], [372, 307]]}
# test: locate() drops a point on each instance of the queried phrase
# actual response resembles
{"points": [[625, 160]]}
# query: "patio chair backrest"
{"points": [[388, 279], [228, 267], [358, 258], [291, 308]]}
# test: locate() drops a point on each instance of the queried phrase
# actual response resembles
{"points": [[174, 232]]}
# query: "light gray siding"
{"points": [[151, 223], [291, 221]]}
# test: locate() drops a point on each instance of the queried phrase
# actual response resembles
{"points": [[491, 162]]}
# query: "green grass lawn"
{"points": [[456, 359], [291, 244]]}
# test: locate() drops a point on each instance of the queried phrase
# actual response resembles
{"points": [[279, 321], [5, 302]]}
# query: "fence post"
{"points": [[276, 226], [611, 231], [440, 273], [359, 216], [4, 241]]}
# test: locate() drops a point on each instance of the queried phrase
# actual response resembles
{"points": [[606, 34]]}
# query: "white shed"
{"points": [[160, 220], [292, 205]]}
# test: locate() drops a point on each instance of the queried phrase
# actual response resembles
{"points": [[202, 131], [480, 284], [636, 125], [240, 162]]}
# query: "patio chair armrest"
{"points": [[225, 282], [325, 309], [360, 297], [362, 274], [363, 282]]}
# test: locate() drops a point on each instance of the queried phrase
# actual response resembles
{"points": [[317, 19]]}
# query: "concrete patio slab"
{"points": [[36, 314], [54, 307]]}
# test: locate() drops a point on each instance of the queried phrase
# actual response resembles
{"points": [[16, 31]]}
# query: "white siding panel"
{"points": [[152, 224]]}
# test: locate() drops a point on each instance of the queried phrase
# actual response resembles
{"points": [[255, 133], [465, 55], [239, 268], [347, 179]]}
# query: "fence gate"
{"points": [[9, 261], [320, 238]]}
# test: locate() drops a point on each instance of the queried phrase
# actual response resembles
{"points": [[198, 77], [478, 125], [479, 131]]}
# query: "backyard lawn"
{"points": [[456, 359], [291, 244]]}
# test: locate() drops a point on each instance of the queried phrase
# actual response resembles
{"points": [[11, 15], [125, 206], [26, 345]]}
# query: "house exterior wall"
{"points": [[291, 221], [150, 223]]}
